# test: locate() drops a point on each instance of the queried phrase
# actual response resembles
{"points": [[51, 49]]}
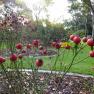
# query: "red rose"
{"points": [[2, 59], [39, 62], [13, 57], [91, 53], [76, 40], [71, 37], [67, 47], [40, 47], [35, 43], [53, 44], [28, 46], [45, 52], [20, 56], [57, 46], [90, 42], [23, 51], [19, 46], [84, 39]]}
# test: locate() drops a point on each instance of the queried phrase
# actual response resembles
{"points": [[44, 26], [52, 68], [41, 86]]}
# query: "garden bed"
{"points": [[55, 84], [29, 52]]}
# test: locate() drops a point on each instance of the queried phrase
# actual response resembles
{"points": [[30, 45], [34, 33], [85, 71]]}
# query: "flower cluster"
{"points": [[60, 44], [65, 45], [56, 45], [15, 22], [21, 50], [89, 41]]}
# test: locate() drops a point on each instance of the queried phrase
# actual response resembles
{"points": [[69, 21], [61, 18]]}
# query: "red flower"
{"points": [[2, 59], [53, 44], [35, 43], [20, 56], [23, 51], [67, 47], [40, 47], [90, 42], [28, 46], [13, 57], [19, 46], [39, 62], [71, 37], [76, 40], [45, 52], [57, 46], [84, 39], [91, 53]]}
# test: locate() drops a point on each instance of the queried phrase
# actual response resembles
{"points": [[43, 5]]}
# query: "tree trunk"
{"points": [[93, 26], [91, 4]]}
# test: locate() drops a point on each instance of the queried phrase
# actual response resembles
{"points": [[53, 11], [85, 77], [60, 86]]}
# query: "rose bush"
{"points": [[18, 51]]}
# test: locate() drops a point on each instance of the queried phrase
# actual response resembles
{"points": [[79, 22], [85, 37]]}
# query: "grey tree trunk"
{"points": [[93, 25], [93, 19]]}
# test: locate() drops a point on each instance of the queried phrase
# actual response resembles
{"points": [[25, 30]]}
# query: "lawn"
{"points": [[65, 57], [84, 67]]}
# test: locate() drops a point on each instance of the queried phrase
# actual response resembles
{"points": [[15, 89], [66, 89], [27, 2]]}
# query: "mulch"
{"points": [[53, 84]]}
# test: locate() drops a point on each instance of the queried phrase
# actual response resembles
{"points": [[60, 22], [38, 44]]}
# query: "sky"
{"points": [[57, 11]]}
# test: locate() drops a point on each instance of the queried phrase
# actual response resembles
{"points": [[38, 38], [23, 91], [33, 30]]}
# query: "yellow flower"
{"points": [[64, 44]]}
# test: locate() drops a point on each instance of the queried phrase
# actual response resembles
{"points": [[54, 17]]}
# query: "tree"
{"points": [[82, 18], [90, 4]]}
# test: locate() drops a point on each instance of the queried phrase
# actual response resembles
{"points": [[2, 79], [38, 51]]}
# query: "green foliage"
{"points": [[51, 32], [82, 18], [81, 33]]}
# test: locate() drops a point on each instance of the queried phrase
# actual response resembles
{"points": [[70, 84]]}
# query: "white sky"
{"points": [[57, 12]]}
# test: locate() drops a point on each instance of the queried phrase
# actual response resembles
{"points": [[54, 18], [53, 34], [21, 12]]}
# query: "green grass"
{"points": [[84, 67]]}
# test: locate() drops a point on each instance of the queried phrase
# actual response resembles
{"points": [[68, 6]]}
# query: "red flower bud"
{"points": [[13, 57], [19, 46], [57, 46], [53, 44], [23, 51], [76, 40], [20, 56], [28, 46], [45, 52], [35, 43], [2, 59], [84, 39], [90, 42], [67, 47], [39, 62], [71, 37], [40, 47], [91, 53]]}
